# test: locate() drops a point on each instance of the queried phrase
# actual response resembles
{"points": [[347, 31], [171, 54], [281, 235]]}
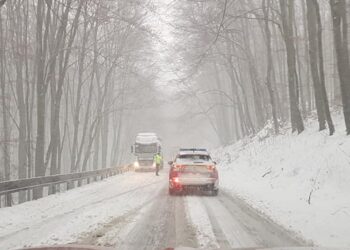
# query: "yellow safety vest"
{"points": [[158, 159]]}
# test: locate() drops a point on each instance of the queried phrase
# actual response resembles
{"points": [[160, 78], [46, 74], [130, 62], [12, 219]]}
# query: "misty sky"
{"points": [[169, 114]]}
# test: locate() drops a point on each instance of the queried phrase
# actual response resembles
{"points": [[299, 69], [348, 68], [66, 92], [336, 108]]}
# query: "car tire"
{"points": [[171, 192], [215, 192]]}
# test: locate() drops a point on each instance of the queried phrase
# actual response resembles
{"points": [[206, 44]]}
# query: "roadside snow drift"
{"points": [[64, 217], [300, 181]]}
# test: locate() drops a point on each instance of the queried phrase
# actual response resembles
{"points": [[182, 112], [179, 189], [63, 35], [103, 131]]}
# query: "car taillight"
{"points": [[179, 167], [211, 168], [214, 172], [173, 174], [176, 179]]}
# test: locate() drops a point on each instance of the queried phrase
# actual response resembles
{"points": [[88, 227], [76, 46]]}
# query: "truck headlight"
{"points": [[136, 164]]}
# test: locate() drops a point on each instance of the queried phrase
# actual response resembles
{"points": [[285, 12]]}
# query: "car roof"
{"points": [[193, 149], [193, 152]]}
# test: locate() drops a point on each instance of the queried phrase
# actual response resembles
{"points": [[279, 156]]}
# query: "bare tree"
{"points": [[340, 31], [287, 9], [317, 67], [266, 9]]}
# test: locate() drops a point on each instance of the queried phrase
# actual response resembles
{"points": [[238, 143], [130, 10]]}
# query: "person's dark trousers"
{"points": [[157, 169]]}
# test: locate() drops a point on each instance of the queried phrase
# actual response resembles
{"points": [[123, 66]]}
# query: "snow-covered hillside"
{"points": [[300, 181]]}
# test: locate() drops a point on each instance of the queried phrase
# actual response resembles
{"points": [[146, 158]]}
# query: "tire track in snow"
{"points": [[265, 232], [199, 215], [226, 225], [159, 226], [231, 223]]}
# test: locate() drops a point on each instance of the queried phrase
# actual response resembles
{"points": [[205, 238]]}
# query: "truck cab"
{"points": [[145, 147]]}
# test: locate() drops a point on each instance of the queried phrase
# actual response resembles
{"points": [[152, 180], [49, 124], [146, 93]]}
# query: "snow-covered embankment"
{"points": [[300, 181]]}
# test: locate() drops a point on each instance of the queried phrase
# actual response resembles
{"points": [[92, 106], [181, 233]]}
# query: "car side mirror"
{"points": [[214, 162], [170, 163]]}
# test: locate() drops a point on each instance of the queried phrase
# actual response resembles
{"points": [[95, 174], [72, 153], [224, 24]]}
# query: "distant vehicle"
{"points": [[145, 147], [193, 169]]}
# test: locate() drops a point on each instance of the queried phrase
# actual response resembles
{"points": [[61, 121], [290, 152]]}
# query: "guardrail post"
{"points": [[52, 189], [30, 194], [8, 200], [69, 185]]}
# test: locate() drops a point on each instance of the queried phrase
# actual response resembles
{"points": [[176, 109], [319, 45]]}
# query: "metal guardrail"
{"points": [[9, 187]]}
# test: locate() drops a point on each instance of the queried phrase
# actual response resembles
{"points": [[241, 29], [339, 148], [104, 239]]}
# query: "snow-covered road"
{"points": [[134, 211]]}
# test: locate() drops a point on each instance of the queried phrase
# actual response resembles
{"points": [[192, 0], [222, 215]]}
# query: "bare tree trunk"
{"points": [[255, 85], [6, 129], [314, 62], [84, 132], [307, 61], [41, 48], [287, 8], [88, 108], [22, 144], [300, 90], [63, 65], [266, 9], [321, 70], [17, 45], [340, 32], [223, 122], [77, 107], [29, 97], [2, 2]]}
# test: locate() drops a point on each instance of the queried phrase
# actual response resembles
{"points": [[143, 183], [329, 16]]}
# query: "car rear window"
{"points": [[194, 157]]}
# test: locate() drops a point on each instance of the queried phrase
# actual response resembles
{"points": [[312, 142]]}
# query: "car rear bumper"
{"points": [[194, 183], [207, 187]]}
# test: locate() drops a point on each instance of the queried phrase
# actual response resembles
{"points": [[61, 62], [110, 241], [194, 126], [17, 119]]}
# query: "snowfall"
{"points": [[301, 182]]}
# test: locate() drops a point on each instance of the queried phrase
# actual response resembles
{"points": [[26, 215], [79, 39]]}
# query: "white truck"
{"points": [[145, 147]]}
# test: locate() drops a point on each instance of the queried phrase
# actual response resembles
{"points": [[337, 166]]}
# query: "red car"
{"points": [[193, 169]]}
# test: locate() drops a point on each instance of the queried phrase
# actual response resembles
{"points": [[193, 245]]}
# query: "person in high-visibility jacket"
{"points": [[158, 161]]}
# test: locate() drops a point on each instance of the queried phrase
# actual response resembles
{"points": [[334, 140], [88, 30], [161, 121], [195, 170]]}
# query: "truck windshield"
{"points": [[145, 148]]}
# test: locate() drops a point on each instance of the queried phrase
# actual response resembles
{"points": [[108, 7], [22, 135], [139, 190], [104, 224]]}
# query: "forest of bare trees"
{"points": [[66, 71], [70, 68], [252, 63]]}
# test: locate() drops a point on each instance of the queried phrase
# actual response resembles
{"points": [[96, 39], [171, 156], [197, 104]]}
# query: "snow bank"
{"points": [[300, 181], [65, 217]]}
